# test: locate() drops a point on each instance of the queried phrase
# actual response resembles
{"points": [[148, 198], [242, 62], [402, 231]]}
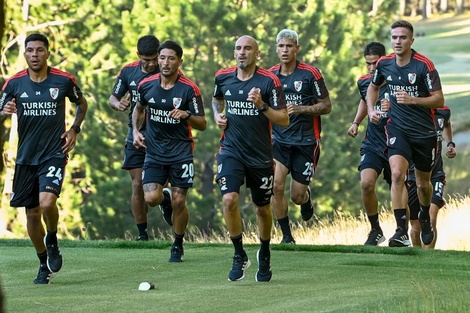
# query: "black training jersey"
{"points": [[168, 140], [248, 133], [41, 113], [375, 138], [418, 78], [128, 79], [303, 87], [442, 116]]}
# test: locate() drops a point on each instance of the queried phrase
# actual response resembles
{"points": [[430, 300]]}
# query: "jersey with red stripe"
{"points": [[168, 140], [127, 81], [418, 78], [303, 88], [248, 133], [41, 113]]}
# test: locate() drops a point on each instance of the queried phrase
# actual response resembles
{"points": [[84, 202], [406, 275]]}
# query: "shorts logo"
{"points": [[392, 140], [219, 168], [412, 78], [177, 102], [298, 85], [56, 181], [54, 92]]}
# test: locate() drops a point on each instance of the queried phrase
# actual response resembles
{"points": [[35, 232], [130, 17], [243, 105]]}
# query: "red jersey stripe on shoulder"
{"points": [[20, 74], [189, 82], [386, 57], [130, 65], [262, 71], [226, 71], [315, 71], [56, 71], [150, 78], [420, 57], [445, 107], [275, 67], [364, 77]]}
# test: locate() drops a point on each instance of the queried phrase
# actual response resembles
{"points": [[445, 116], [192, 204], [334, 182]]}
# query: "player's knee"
{"points": [[367, 186], [230, 201]]}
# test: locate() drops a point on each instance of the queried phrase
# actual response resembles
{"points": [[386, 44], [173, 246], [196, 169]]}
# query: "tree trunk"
{"points": [[459, 6], [444, 5]]}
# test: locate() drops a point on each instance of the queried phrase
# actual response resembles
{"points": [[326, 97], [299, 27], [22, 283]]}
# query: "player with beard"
{"points": [[252, 99], [38, 97], [296, 148], [415, 91], [173, 106]]}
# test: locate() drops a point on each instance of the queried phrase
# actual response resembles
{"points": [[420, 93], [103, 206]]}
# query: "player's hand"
{"points": [[352, 131], [178, 114], [404, 98], [139, 139], [70, 140], [9, 108], [384, 105], [124, 103], [221, 120], [451, 152], [254, 96], [375, 116], [292, 109]]}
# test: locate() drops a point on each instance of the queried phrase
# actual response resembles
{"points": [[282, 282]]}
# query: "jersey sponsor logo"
{"points": [[54, 92], [241, 108], [294, 99], [412, 78], [298, 85], [24, 95], [177, 102], [228, 93], [39, 108], [161, 116], [392, 140]]}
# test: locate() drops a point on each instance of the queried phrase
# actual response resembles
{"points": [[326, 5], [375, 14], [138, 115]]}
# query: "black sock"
{"points": [[238, 245], [42, 257], [285, 227], [142, 228], [400, 217], [51, 238], [264, 248], [165, 200], [424, 211], [178, 239], [374, 221]]}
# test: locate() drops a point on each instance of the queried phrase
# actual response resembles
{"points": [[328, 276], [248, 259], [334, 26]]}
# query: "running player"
{"points": [[296, 149], [373, 149], [38, 96], [173, 105], [415, 91], [438, 180], [252, 99], [126, 83]]}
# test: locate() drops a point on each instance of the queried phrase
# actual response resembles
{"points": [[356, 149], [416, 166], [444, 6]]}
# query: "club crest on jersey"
{"points": [[392, 140], [54, 92], [177, 102], [412, 78], [440, 122], [298, 85]]}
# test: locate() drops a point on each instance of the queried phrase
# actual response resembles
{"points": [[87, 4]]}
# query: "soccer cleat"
{"points": [[143, 238], [54, 257], [264, 272], [375, 237], [288, 239], [427, 233], [400, 239], [166, 209], [44, 275], [306, 209], [239, 266], [177, 254]]}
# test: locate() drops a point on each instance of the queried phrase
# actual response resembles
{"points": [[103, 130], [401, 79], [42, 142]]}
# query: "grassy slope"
{"points": [[306, 279]]}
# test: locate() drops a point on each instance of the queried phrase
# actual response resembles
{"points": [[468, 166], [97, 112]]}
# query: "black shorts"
{"points": [[413, 201], [30, 180], [420, 151], [179, 174], [300, 160], [371, 159], [133, 157], [231, 175]]}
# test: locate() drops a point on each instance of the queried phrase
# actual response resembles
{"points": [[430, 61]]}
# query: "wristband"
{"points": [[264, 108], [355, 123], [450, 143]]}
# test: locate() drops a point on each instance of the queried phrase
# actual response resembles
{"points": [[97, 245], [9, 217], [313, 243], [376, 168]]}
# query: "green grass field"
{"points": [[104, 277]]}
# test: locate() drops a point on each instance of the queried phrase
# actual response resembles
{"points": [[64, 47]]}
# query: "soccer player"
{"points": [[296, 149], [252, 98], [438, 180], [374, 160], [126, 83], [415, 91], [37, 95], [173, 105]]}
